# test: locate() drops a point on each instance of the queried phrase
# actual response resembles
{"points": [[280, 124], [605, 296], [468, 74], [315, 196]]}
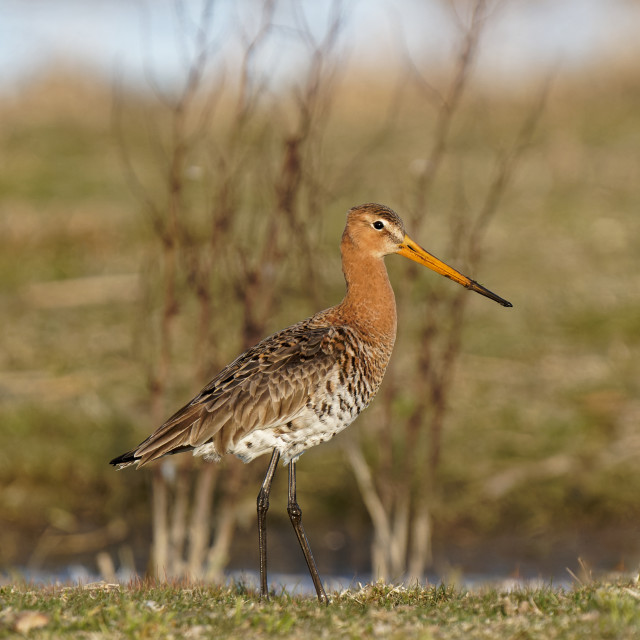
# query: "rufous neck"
{"points": [[369, 302]]}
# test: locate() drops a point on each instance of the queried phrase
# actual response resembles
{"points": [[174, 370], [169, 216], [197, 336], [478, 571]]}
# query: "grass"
{"points": [[609, 609]]}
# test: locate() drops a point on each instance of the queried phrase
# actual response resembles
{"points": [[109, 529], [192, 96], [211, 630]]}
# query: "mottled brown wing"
{"points": [[266, 386]]}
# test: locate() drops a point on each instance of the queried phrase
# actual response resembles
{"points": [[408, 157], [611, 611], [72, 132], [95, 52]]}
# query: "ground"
{"points": [[604, 609]]}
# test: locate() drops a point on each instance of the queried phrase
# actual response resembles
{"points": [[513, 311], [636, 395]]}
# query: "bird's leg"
{"points": [[263, 507], [295, 515]]}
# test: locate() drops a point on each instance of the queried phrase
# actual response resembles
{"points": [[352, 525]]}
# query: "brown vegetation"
{"points": [[240, 193]]}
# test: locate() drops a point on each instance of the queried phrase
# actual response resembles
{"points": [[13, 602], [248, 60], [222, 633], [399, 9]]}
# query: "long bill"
{"points": [[413, 251]]}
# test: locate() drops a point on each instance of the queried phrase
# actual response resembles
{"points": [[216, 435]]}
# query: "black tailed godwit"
{"points": [[303, 385]]}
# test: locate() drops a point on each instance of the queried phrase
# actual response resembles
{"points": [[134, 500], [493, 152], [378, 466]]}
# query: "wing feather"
{"points": [[267, 386]]}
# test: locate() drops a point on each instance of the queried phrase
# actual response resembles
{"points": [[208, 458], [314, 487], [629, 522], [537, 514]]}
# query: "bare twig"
{"points": [[445, 114]]}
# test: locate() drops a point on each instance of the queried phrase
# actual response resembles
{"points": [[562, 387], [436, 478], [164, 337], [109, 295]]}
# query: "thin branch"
{"points": [[446, 113], [364, 478]]}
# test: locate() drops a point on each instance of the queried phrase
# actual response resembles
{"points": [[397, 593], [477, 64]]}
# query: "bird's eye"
{"points": [[378, 224]]}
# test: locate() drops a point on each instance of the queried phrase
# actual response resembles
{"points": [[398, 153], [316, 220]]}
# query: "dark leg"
{"points": [[295, 515], [263, 507]]}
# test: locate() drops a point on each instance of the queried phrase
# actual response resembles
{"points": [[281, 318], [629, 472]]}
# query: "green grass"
{"points": [[596, 610]]}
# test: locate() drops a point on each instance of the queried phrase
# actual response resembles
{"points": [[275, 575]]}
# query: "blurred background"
{"points": [[173, 186]]}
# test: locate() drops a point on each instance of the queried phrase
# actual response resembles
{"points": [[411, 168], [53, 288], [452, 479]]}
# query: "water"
{"points": [[293, 584], [506, 562]]}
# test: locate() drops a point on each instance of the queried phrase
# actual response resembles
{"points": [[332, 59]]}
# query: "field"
{"points": [[596, 610], [541, 443]]}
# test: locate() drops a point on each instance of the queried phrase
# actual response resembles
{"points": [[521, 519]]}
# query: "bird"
{"points": [[304, 384]]}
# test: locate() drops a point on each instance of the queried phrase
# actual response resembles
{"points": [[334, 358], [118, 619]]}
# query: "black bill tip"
{"points": [[483, 291]]}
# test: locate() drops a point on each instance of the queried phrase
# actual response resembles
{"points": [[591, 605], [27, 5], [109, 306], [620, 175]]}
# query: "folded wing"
{"points": [[266, 387]]}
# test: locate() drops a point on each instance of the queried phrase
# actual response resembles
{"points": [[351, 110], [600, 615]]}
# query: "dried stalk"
{"points": [[407, 487], [199, 527], [187, 260]]}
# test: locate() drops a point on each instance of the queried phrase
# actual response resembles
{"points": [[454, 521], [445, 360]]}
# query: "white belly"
{"points": [[306, 431], [314, 424], [291, 440]]}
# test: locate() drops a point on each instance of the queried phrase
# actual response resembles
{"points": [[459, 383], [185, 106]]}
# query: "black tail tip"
{"points": [[125, 458]]}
